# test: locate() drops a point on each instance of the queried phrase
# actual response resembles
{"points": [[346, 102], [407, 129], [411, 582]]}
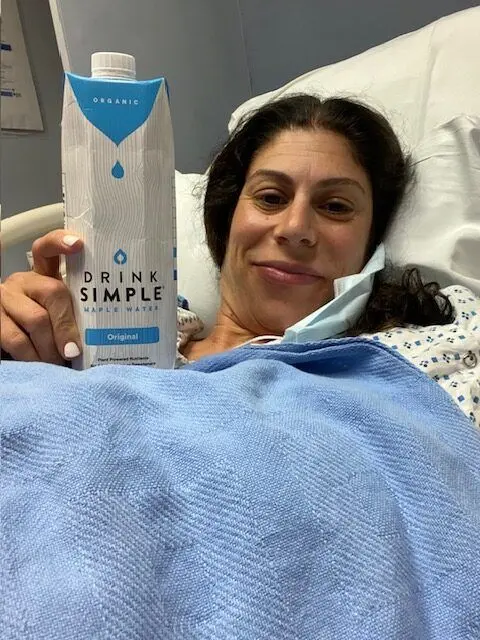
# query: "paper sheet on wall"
{"points": [[19, 104]]}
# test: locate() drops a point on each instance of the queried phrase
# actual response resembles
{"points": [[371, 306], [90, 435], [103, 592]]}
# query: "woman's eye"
{"points": [[337, 207], [270, 199]]}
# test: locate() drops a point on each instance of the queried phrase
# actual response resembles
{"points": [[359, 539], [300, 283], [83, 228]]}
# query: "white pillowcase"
{"points": [[197, 275], [438, 227]]}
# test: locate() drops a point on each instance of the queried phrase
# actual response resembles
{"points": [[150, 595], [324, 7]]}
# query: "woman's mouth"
{"points": [[286, 273]]}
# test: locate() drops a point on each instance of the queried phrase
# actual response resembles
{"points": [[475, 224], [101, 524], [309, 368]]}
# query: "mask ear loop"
{"points": [[260, 339]]}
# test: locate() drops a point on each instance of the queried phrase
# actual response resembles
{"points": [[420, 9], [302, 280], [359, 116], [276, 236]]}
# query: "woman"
{"points": [[301, 196]]}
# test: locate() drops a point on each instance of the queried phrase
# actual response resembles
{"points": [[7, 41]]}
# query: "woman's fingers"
{"points": [[15, 341], [54, 296], [37, 307], [33, 321], [46, 251], [42, 308]]}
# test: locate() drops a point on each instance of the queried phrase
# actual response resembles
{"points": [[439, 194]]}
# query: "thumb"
{"points": [[46, 251]]}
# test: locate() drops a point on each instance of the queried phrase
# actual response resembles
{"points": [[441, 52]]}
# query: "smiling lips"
{"points": [[286, 273]]}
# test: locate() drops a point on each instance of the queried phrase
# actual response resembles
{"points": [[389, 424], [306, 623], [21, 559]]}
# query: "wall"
{"points": [[284, 39], [30, 163]]}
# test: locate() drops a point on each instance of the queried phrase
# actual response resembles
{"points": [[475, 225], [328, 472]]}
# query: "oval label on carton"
{"points": [[122, 336]]}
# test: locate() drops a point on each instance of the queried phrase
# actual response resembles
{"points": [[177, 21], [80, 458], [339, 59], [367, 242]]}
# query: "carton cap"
{"points": [[108, 64]]}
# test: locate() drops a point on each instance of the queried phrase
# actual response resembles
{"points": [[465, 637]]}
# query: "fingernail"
{"points": [[70, 240], [71, 350]]}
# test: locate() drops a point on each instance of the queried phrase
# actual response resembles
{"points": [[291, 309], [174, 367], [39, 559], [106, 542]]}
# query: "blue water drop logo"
{"points": [[120, 257], [118, 171]]}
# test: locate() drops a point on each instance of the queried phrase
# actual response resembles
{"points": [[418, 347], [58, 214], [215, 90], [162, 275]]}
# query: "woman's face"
{"points": [[303, 218]]}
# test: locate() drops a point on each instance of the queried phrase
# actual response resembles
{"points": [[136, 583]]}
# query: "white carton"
{"points": [[118, 181]]}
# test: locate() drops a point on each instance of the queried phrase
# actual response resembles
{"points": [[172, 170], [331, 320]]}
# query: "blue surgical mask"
{"points": [[337, 316]]}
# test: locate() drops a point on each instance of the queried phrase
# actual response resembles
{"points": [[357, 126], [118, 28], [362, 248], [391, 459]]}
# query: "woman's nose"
{"points": [[296, 225]]}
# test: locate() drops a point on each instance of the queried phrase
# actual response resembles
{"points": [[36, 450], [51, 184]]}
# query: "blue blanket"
{"points": [[289, 492]]}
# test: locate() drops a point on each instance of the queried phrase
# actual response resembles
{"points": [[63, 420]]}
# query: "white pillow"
{"points": [[197, 275], [438, 227]]}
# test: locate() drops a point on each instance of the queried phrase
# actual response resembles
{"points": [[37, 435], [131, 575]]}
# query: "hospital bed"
{"points": [[184, 524]]}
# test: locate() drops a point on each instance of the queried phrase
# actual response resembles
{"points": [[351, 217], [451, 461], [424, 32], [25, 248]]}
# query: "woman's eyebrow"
{"points": [[326, 182]]}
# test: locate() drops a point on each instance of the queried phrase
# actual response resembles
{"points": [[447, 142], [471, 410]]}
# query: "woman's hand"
{"points": [[36, 311]]}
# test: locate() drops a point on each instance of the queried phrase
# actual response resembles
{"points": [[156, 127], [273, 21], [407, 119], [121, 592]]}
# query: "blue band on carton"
{"points": [[123, 336]]}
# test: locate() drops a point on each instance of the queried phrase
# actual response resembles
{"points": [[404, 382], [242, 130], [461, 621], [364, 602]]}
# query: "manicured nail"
{"points": [[70, 240], [71, 350]]}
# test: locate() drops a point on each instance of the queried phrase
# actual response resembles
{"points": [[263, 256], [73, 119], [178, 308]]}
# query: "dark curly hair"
{"points": [[396, 299]]}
